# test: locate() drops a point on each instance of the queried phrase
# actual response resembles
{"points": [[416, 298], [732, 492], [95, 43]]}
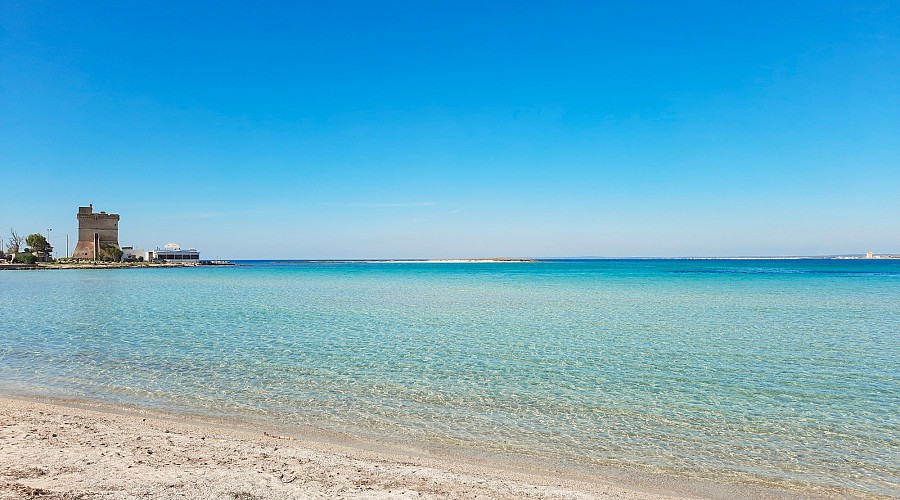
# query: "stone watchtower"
{"points": [[95, 231]]}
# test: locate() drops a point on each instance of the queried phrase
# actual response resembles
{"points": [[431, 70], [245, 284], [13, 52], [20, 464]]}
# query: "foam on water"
{"points": [[767, 371]]}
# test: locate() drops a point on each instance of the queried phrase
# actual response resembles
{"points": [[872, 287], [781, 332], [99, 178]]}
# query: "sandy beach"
{"points": [[75, 449], [62, 449]]}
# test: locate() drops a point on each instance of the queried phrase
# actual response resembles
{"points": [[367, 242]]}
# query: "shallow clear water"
{"points": [[765, 371]]}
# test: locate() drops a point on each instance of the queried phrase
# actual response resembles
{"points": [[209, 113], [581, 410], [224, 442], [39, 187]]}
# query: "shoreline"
{"points": [[41, 266], [70, 448], [75, 447], [450, 261], [498, 260]]}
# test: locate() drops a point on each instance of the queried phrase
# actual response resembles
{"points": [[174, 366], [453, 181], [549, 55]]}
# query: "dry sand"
{"points": [[76, 449], [53, 450]]}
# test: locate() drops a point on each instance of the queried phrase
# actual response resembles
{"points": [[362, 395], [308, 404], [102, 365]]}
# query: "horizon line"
{"points": [[885, 256]]}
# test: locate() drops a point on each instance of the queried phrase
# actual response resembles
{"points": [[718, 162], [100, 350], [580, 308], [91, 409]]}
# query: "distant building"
{"points": [[95, 232], [133, 254], [45, 256], [869, 255], [172, 252]]}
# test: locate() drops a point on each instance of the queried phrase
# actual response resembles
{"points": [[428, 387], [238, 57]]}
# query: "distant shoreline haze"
{"points": [[532, 259]]}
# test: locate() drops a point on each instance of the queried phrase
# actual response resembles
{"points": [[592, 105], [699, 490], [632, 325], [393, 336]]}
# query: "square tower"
{"points": [[95, 232]]}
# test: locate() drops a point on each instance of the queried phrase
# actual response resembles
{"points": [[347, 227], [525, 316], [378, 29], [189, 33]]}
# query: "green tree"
{"points": [[37, 242], [111, 253]]}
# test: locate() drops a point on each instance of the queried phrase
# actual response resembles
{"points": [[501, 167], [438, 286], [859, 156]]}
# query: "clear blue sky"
{"points": [[456, 129]]}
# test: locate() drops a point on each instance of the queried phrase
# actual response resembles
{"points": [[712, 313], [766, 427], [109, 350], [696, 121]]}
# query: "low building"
{"points": [[44, 256], [172, 252], [131, 254]]}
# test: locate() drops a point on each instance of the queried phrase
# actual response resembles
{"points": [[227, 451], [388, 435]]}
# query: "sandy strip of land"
{"points": [[64, 450], [456, 261]]}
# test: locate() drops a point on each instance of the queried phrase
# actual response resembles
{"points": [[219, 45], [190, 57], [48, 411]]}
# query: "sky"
{"points": [[386, 129]]}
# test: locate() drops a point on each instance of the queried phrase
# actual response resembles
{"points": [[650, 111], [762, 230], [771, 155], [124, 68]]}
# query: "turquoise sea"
{"points": [[770, 372]]}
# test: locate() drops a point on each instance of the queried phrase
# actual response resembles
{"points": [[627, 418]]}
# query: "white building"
{"points": [[132, 254], [172, 252]]}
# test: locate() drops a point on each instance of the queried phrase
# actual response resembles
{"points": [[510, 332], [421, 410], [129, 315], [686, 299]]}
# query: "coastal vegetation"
{"points": [[37, 243], [110, 253], [15, 252], [15, 241], [25, 258], [38, 248]]}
